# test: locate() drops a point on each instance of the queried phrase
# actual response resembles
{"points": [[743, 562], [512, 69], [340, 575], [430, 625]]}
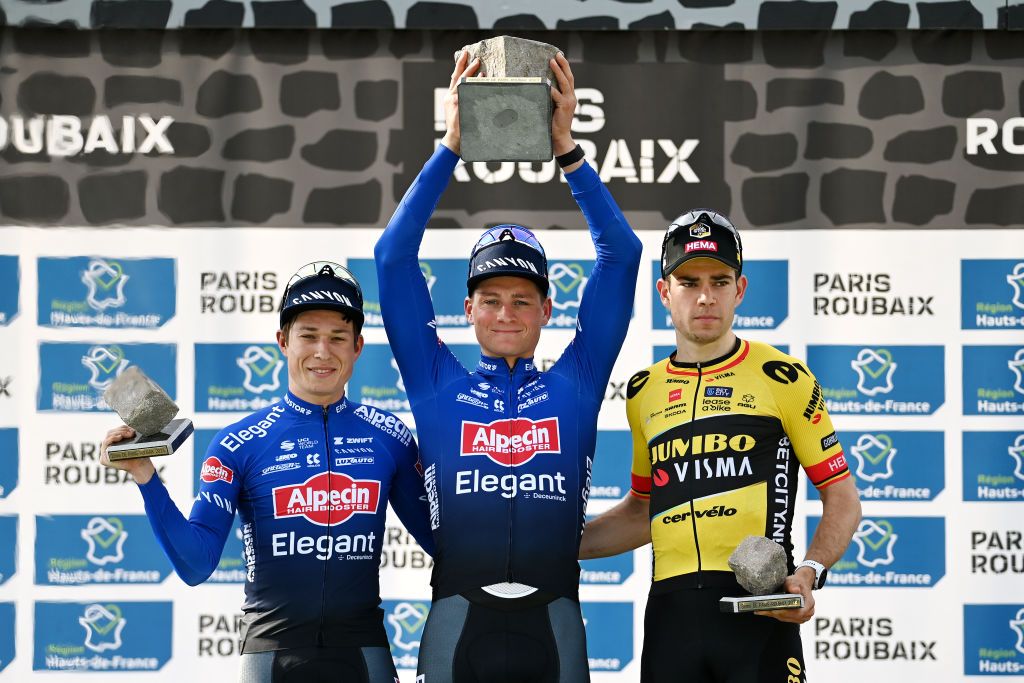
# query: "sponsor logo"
{"points": [[992, 294], [829, 441], [430, 486], [327, 498], [865, 294], [675, 395], [671, 517], [472, 401], [538, 486], [296, 407], [353, 460], [122, 636], [993, 466], [283, 467], [867, 639], [404, 621], [237, 292], [233, 440], [237, 377], [8, 461], [907, 552], [73, 376], [700, 245], [700, 444], [609, 628], [92, 292], [214, 470], [63, 135], [636, 383], [511, 441], [994, 639], [104, 557], [312, 460], [10, 284], [287, 445], [993, 380], [897, 380], [325, 546], [699, 230], [389, 424], [718, 392]]}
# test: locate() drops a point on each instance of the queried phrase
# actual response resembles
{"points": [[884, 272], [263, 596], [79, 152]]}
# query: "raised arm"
{"points": [[192, 545], [608, 298], [408, 497], [404, 297]]}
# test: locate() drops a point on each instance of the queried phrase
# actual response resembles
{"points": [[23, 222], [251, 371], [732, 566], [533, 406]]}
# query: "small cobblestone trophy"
{"points": [[147, 409], [506, 114], [760, 567]]}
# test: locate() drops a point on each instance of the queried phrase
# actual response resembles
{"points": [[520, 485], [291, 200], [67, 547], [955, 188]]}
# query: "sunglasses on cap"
{"points": [[501, 233]]}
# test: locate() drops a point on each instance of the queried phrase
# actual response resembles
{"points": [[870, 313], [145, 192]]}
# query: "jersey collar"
{"points": [[734, 357], [496, 368], [299, 407]]}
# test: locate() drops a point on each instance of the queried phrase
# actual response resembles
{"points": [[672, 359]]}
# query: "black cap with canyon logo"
{"points": [[322, 285], [701, 233]]}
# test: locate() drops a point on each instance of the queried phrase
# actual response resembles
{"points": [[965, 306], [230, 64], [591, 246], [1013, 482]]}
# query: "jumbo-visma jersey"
{"points": [[716, 447]]}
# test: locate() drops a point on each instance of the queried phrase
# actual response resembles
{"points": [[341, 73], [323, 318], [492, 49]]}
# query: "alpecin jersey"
{"points": [[716, 447]]}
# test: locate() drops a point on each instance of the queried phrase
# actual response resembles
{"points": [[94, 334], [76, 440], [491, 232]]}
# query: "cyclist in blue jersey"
{"points": [[507, 448], [310, 477]]}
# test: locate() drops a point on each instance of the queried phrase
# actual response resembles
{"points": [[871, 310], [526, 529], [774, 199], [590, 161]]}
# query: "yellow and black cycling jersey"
{"points": [[716, 448]]}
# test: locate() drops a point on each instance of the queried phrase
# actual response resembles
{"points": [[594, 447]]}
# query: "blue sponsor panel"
{"points": [[231, 568], [994, 640], [8, 460], [613, 459], [890, 465], [609, 634], [74, 375], [10, 283], [992, 294], [403, 622], [877, 380], [765, 305], [113, 637], [993, 380], [891, 552], [75, 550], [8, 547], [94, 291], [239, 377], [568, 281], [993, 466], [446, 281], [377, 382], [7, 649]]}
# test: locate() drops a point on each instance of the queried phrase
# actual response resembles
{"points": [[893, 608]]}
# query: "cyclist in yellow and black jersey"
{"points": [[720, 431]]}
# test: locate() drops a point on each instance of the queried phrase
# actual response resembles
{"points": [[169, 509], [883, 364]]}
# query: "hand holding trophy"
{"points": [[150, 428], [760, 566]]}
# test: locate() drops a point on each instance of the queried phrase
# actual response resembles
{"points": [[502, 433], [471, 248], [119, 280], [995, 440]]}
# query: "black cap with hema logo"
{"points": [[701, 233], [323, 285]]}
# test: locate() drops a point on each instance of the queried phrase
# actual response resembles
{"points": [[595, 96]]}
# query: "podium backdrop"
{"points": [[156, 195]]}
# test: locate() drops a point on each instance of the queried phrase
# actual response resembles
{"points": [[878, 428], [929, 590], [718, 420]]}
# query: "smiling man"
{"points": [[720, 430], [508, 448], [311, 477]]}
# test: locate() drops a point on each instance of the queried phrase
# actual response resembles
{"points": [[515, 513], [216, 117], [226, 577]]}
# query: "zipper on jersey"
{"points": [[693, 515], [323, 585], [509, 574]]}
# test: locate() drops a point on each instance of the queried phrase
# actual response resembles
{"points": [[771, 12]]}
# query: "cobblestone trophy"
{"points": [[506, 114], [147, 409], [760, 567]]}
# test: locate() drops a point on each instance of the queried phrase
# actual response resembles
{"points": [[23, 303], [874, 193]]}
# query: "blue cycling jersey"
{"points": [[507, 451], [311, 484]]}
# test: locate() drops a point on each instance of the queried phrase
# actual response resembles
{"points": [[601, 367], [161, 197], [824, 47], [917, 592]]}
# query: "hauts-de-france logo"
{"points": [[103, 625], [105, 537], [993, 380], [404, 621], [992, 293], [568, 281], [95, 292], [327, 498], [874, 368], [993, 466], [446, 285], [895, 465], [891, 380], [994, 640], [262, 367], [1016, 452], [906, 552], [105, 363], [511, 442], [101, 636]]}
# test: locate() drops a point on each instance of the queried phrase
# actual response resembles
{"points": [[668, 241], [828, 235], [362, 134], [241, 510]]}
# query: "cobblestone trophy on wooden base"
{"points": [[506, 114], [147, 409]]}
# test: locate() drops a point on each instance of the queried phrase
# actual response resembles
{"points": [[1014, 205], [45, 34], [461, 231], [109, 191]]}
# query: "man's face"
{"points": [[702, 295], [507, 314], [322, 349]]}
